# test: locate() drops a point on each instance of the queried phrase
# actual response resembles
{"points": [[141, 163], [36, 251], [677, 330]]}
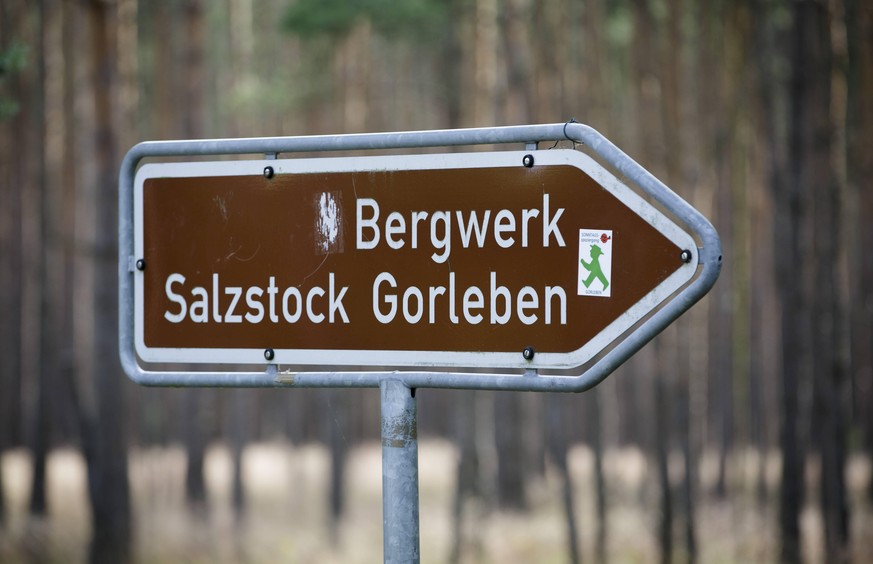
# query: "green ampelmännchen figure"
{"points": [[594, 269]]}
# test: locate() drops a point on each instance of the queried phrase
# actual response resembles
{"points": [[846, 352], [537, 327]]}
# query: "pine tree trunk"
{"points": [[107, 466], [467, 477], [813, 138], [793, 271], [689, 481], [190, 118], [859, 139], [508, 429], [2, 494], [194, 436], [450, 66], [600, 535], [334, 424], [70, 186], [10, 256], [556, 434], [663, 377], [241, 417], [485, 54], [35, 327]]}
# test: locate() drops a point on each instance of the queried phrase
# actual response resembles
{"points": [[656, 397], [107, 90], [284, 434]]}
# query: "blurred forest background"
{"points": [[743, 433]]}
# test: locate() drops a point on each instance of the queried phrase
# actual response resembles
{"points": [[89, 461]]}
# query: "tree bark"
{"points": [[450, 66], [511, 471], [10, 249], [516, 45], [71, 17], [2, 494], [334, 424], [652, 138], [788, 208], [678, 163], [109, 491], [476, 467], [467, 477], [791, 205], [239, 435], [593, 87], [485, 53], [557, 444], [195, 437], [37, 253], [602, 527], [663, 377], [859, 139], [191, 120], [812, 145], [689, 481]]}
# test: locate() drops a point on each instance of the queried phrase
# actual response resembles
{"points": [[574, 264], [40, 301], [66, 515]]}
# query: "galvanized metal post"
{"points": [[399, 472]]}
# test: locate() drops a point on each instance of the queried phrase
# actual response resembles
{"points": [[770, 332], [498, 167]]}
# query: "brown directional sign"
{"points": [[404, 261]]}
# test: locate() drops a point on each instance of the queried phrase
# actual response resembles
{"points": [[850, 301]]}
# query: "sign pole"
{"points": [[399, 472]]}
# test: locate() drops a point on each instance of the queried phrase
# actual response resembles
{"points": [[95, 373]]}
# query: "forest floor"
{"points": [[286, 517]]}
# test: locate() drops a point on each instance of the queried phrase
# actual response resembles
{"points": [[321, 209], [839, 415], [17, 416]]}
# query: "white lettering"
{"points": [[526, 216], [390, 300], [369, 223], [229, 316], [527, 299], [413, 292], [494, 301], [504, 222], [500, 292], [446, 242], [336, 302], [417, 217], [473, 225], [175, 298], [310, 313], [556, 291], [433, 292], [473, 299], [272, 290], [216, 314], [453, 317], [550, 226], [394, 225], [255, 304], [298, 309], [200, 309]]}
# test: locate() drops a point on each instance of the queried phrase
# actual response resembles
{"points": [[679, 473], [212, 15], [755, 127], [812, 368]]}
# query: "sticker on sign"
{"points": [[455, 260], [595, 245]]}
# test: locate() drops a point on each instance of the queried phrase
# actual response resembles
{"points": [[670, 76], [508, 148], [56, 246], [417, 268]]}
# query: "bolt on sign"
{"points": [[537, 260]]}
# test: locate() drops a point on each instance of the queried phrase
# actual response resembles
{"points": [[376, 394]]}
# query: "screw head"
{"points": [[269, 354], [140, 265], [268, 172], [528, 353], [685, 256], [527, 160]]}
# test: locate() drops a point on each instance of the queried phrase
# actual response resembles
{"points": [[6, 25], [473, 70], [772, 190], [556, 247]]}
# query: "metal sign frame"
{"points": [[707, 257]]}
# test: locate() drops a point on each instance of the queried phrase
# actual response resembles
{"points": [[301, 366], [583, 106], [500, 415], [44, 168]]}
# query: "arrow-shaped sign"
{"points": [[536, 259]]}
